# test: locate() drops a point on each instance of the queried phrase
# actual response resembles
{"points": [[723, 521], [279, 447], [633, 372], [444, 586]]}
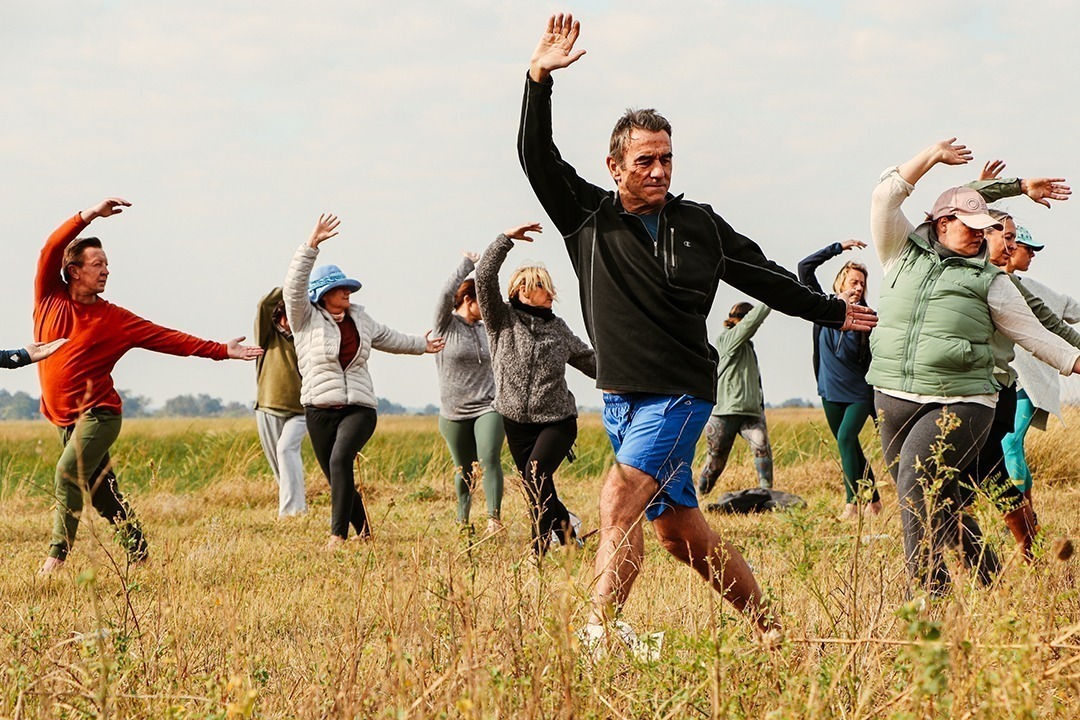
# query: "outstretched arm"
{"points": [[555, 49], [946, 151], [32, 353]]}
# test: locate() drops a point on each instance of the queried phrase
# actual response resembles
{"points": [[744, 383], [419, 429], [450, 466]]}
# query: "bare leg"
{"points": [[684, 532], [626, 493]]}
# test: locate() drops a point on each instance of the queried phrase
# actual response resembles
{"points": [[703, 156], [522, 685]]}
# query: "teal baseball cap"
{"points": [[1023, 237]]}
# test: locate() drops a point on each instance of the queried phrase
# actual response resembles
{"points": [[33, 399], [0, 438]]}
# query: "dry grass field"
{"points": [[238, 614]]}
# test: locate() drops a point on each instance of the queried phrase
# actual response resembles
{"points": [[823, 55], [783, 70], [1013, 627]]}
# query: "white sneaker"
{"points": [[593, 638], [575, 532]]}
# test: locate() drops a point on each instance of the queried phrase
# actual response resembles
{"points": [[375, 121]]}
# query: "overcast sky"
{"points": [[231, 125]]}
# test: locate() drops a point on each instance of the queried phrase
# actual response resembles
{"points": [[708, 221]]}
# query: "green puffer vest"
{"points": [[934, 329]]}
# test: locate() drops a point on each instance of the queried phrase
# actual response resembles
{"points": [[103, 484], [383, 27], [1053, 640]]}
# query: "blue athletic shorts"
{"points": [[657, 434]]}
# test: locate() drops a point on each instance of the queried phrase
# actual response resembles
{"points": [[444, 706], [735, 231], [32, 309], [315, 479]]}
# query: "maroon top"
{"points": [[350, 341]]}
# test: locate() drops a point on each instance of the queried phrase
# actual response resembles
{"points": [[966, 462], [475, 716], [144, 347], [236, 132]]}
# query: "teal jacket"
{"points": [[934, 328], [738, 389]]}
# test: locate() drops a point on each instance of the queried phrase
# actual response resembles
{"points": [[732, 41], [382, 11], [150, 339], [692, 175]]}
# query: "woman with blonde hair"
{"points": [[530, 349], [841, 359]]}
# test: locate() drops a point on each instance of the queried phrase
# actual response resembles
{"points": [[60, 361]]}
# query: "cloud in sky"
{"points": [[231, 126]]}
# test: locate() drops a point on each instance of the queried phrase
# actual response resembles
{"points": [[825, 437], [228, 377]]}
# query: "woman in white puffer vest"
{"points": [[333, 341]]}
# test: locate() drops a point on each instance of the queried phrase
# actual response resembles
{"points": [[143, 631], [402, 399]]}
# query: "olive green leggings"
{"points": [[476, 443], [85, 465]]}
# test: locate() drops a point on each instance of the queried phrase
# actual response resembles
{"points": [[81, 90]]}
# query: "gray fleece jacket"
{"points": [[466, 381], [529, 354]]}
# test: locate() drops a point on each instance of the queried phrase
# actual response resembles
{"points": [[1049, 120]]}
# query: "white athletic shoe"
{"points": [[575, 532], [594, 641]]}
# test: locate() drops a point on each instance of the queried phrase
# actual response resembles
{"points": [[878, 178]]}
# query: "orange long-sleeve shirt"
{"points": [[78, 377]]}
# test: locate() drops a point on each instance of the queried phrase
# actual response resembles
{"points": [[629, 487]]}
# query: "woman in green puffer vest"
{"points": [[933, 366]]}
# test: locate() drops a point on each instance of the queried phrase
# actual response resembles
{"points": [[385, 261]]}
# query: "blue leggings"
{"points": [[1013, 443]]}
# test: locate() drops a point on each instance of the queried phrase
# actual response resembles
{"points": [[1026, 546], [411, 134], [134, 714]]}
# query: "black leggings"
{"points": [[538, 450], [337, 435], [988, 470]]}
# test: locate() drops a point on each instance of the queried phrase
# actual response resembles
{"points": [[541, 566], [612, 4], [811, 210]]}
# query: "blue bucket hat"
{"points": [[1023, 237], [328, 277]]}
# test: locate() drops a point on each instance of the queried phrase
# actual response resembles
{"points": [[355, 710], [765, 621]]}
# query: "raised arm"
{"points": [[808, 265], [298, 307], [264, 318], [745, 330], [555, 49], [495, 312], [48, 280], [444, 307]]}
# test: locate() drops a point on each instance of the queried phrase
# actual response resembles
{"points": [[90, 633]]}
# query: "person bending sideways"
{"points": [[77, 391], [648, 266]]}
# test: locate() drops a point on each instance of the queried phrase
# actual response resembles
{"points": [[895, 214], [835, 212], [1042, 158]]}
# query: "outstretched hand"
{"points": [[39, 351], [433, 345], [556, 47], [1043, 190], [992, 170], [105, 208], [859, 317], [242, 352], [325, 229], [518, 233], [474, 257], [852, 245], [950, 153]]}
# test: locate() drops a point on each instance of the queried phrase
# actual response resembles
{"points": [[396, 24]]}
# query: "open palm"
{"points": [[556, 46]]}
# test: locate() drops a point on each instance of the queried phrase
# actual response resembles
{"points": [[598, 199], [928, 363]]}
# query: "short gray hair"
{"points": [[646, 119]]}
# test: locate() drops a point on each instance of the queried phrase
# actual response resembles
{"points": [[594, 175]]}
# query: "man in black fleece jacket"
{"points": [[648, 265]]}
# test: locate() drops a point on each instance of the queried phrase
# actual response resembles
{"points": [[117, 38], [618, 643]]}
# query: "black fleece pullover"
{"points": [[645, 301]]}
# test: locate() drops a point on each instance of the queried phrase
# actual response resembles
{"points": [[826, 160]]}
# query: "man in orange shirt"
{"points": [[77, 391]]}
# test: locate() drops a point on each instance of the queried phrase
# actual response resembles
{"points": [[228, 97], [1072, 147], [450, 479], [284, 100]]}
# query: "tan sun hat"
{"points": [[967, 205]]}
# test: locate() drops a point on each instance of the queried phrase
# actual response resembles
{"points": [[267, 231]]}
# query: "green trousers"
{"points": [[85, 467], [473, 444], [846, 421]]}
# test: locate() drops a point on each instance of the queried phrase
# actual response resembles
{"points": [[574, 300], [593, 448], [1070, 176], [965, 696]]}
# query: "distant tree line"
{"points": [[21, 406]]}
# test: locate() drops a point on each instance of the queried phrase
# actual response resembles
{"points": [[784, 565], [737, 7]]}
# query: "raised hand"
{"points": [[39, 351], [105, 208], [556, 47], [992, 170], [950, 153], [475, 257], [859, 317], [433, 345], [1043, 190], [518, 233], [852, 245], [325, 229], [242, 352]]}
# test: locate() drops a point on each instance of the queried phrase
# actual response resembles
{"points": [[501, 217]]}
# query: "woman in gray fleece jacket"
{"points": [[467, 418], [530, 348]]}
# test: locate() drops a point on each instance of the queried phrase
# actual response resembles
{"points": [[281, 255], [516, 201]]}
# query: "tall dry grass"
{"points": [[239, 614]]}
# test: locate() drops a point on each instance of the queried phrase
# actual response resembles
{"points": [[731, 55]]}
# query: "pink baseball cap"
{"points": [[966, 205]]}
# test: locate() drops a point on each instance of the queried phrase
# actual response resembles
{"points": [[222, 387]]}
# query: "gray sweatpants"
{"points": [[931, 515], [280, 438]]}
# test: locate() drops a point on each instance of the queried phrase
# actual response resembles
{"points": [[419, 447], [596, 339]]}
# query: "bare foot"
{"points": [[494, 526], [52, 565], [335, 542], [875, 507], [851, 511]]}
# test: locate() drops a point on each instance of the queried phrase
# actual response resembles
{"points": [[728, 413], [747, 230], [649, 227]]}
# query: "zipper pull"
{"points": [[673, 254], [655, 249]]}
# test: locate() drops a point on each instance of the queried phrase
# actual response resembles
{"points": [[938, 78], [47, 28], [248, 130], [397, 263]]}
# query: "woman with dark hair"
{"points": [[333, 341], [740, 402], [468, 421], [530, 349], [841, 359]]}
